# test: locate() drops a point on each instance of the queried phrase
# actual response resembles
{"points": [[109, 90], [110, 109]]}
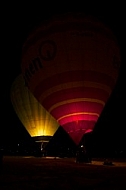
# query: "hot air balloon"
{"points": [[71, 65], [38, 122]]}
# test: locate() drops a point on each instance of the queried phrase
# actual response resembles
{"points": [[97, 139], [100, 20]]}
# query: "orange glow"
{"points": [[36, 120]]}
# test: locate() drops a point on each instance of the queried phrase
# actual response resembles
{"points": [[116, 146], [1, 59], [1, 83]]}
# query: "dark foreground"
{"points": [[31, 173]]}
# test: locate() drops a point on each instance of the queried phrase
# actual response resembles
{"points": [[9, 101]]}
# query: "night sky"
{"points": [[18, 21]]}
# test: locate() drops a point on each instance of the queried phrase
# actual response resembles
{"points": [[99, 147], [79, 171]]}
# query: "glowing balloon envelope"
{"points": [[71, 66], [37, 121]]}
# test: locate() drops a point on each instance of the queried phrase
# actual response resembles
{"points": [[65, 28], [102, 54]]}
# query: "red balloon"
{"points": [[71, 65]]}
